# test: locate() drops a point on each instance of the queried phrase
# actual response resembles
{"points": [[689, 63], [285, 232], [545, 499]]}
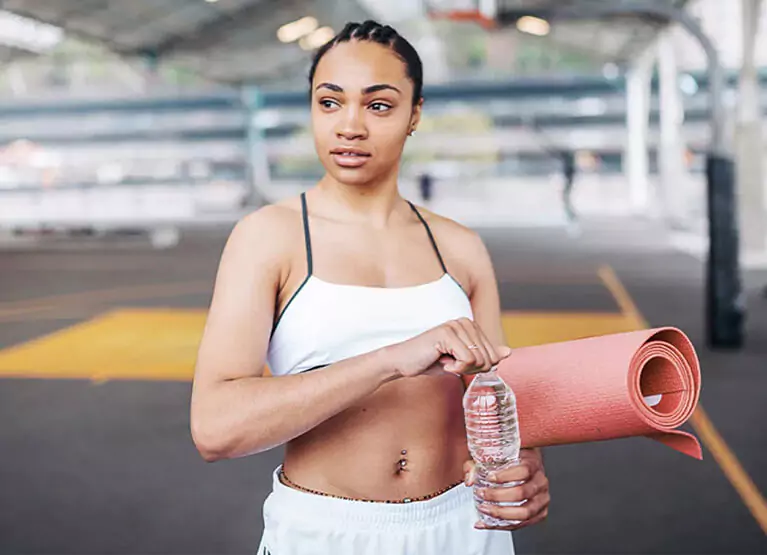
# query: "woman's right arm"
{"points": [[235, 410]]}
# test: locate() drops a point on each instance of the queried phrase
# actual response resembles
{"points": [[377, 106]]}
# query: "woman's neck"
{"points": [[373, 204]]}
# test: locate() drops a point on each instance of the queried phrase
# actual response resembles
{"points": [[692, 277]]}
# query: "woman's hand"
{"points": [[534, 492], [457, 346]]}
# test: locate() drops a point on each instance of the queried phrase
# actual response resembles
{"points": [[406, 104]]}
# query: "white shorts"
{"points": [[300, 523]]}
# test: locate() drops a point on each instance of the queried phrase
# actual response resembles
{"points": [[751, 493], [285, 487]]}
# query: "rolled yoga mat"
{"points": [[640, 383]]}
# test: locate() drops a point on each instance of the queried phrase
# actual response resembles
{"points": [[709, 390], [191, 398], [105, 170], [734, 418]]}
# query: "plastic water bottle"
{"points": [[490, 410]]}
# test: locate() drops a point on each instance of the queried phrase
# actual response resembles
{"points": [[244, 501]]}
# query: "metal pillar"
{"points": [[636, 165], [259, 175], [749, 144], [672, 183], [725, 311]]}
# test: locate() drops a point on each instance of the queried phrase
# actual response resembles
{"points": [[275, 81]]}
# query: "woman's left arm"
{"points": [[486, 306]]}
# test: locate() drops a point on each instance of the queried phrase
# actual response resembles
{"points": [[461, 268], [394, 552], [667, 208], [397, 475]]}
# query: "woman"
{"points": [[369, 311]]}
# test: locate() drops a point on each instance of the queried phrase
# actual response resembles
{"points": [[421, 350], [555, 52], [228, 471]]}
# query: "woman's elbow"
{"points": [[208, 454], [208, 443]]}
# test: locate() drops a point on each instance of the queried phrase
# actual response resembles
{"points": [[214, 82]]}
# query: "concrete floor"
{"points": [[107, 465]]}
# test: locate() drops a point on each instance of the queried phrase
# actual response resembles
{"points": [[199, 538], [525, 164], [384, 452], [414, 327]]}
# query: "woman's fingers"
{"points": [[465, 341], [453, 345], [493, 352], [527, 512], [473, 338]]}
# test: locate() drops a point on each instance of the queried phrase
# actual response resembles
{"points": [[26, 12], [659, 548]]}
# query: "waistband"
{"points": [[298, 505]]}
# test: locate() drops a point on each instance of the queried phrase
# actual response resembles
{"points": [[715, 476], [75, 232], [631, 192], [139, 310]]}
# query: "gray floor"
{"points": [[111, 468]]}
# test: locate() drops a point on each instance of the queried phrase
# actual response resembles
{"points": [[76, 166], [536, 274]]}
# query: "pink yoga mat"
{"points": [[640, 383]]}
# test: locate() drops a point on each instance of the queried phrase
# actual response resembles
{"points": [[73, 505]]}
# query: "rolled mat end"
{"points": [[631, 384], [682, 442]]}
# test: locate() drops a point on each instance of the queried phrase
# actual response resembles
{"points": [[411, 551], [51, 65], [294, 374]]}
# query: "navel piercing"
{"points": [[402, 463]]}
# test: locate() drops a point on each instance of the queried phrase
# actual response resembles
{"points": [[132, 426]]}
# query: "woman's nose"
{"points": [[352, 126]]}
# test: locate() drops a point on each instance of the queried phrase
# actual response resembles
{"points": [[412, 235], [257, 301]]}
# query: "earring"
{"points": [[411, 133]]}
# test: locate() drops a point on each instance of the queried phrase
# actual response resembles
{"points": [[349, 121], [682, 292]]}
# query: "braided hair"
{"points": [[385, 35]]}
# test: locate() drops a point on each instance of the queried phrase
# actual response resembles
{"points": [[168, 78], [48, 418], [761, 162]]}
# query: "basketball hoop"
{"points": [[481, 12]]}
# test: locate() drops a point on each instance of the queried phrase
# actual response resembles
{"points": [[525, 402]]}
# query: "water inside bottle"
{"points": [[492, 433]]}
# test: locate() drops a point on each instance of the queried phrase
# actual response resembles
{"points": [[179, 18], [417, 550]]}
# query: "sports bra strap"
{"points": [[307, 236], [431, 236]]}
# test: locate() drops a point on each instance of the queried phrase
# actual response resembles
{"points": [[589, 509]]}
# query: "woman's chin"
{"points": [[353, 177]]}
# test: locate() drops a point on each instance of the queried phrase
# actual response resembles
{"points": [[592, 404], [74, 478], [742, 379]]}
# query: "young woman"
{"points": [[369, 312]]}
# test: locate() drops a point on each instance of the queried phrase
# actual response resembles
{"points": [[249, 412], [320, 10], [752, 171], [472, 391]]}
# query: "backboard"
{"points": [[482, 12]]}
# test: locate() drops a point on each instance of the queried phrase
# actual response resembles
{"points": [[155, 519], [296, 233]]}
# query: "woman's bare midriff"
{"points": [[359, 453]]}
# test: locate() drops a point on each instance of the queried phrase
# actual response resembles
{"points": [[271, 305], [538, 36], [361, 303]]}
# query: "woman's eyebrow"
{"points": [[367, 90], [381, 87], [332, 86]]}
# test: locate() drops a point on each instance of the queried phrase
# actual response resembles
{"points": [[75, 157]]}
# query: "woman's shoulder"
{"points": [[461, 247], [268, 232], [449, 233], [275, 218]]}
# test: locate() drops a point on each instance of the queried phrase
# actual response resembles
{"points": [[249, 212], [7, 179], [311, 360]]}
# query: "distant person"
{"points": [[371, 314], [567, 158], [426, 184]]}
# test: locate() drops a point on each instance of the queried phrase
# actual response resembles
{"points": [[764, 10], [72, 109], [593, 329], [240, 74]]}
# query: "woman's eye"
{"points": [[380, 107], [328, 103]]}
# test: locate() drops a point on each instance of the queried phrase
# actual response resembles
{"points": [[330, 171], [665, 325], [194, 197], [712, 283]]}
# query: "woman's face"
{"points": [[362, 111]]}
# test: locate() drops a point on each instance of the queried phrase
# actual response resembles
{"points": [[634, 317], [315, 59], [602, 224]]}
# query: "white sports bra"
{"points": [[324, 322]]}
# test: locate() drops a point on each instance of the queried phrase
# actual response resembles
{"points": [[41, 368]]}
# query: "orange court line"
{"points": [[700, 421]]}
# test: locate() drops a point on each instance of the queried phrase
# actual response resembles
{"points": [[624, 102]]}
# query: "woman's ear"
{"points": [[415, 119]]}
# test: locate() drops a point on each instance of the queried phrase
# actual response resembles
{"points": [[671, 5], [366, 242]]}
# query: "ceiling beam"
{"points": [[239, 66], [208, 35], [57, 21], [85, 8], [638, 41]]}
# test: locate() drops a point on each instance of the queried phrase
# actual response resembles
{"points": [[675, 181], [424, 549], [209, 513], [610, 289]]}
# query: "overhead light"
{"points": [[317, 39], [291, 32], [533, 26], [688, 84], [28, 34], [211, 1]]}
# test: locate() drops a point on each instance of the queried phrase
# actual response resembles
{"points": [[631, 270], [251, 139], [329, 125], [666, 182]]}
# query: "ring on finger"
{"points": [[472, 347]]}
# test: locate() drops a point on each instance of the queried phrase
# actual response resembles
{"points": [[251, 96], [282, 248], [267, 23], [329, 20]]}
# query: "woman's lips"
{"points": [[347, 158]]}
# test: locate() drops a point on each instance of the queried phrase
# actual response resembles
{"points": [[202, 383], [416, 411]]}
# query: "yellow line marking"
{"points": [[523, 329], [133, 344], [621, 296], [732, 467], [711, 438], [112, 294]]}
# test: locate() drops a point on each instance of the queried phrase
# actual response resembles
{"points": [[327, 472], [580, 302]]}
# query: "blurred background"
{"points": [[609, 152]]}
